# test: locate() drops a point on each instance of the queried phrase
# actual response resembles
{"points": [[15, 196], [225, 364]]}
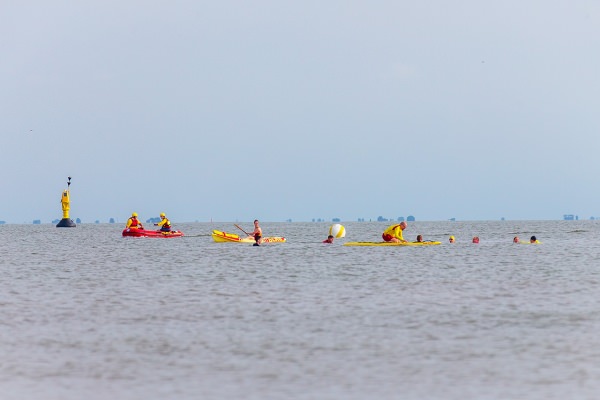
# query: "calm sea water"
{"points": [[88, 314]]}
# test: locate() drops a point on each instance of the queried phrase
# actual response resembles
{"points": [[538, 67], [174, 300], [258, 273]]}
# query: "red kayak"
{"points": [[135, 232]]}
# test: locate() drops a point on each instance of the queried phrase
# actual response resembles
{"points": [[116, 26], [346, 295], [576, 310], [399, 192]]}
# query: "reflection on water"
{"points": [[85, 313]]}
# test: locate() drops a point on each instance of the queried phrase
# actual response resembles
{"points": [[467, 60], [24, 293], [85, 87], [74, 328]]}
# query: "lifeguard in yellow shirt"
{"points": [[133, 222], [394, 233], [534, 240], [165, 224]]}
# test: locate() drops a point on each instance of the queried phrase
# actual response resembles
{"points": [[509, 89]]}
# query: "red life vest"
{"points": [[134, 222]]}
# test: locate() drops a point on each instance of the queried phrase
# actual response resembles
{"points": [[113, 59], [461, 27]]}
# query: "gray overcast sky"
{"points": [[235, 110]]}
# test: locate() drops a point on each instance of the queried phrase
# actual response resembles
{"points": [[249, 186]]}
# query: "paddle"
{"points": [[237, 226]]}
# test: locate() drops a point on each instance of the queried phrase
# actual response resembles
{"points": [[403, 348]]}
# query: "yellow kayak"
{"points": [[225, 237], [427, 243]]}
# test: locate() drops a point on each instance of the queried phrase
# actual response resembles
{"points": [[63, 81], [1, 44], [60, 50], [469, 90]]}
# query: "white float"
{"points": [[337, 231]]}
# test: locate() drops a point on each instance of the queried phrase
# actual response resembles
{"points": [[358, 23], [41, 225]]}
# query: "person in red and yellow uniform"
{"points": [[165, 224], [394, 233], [133, 222]]}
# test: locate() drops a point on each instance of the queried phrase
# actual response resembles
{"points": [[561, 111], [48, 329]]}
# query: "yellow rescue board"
{"points": [[226, 237], [429, 243]]}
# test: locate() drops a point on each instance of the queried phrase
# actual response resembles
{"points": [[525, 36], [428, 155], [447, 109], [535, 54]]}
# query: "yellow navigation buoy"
{"points": [[65, 202], [337, 231]]}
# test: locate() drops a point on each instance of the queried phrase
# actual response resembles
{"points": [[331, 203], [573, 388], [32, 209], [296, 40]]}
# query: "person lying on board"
{"points": [[165, 224], [393, 233], [516, 240], [420, 240], [133, 222]]}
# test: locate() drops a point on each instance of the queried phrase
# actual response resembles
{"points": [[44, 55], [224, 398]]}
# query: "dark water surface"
{"points": [[87, 314]]}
